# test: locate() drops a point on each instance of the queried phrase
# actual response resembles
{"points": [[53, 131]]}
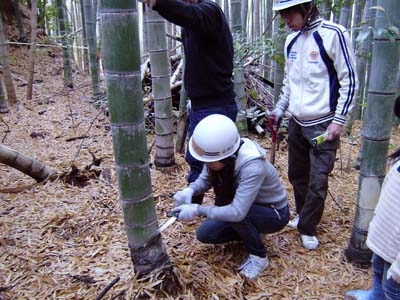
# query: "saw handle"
{"points": [[274, 127], [171, 213]]}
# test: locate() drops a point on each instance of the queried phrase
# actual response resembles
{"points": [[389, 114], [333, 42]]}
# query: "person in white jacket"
{"points": [[318, 92], [250, 199], [384, 237], [384, 241]]}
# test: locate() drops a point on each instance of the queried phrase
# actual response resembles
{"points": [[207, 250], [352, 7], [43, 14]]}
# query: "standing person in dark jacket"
{"points": [[208, 49]]}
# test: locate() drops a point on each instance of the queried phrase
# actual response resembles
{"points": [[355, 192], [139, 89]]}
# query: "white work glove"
{"points": [[277, 114], [187, 211], [183, 197], [394, 270], [188, 106]]}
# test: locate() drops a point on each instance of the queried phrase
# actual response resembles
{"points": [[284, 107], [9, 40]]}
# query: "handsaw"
{"points": [[173, 217], [274, 127]]}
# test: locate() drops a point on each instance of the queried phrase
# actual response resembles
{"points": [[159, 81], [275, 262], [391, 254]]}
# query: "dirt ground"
{"points": [[59, 241]]}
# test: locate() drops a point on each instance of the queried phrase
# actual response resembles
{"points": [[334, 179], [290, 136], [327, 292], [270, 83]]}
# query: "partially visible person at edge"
{"points": [[250, 199], [384, 237], [208, 49], [318, 92]]}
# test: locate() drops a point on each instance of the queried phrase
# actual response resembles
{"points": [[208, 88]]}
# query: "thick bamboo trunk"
{"points": [[377, 128], [121, 56]]}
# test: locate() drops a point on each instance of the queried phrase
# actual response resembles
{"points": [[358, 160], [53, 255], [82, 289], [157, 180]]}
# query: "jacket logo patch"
{"points": [[313, 56], [292, 55]]}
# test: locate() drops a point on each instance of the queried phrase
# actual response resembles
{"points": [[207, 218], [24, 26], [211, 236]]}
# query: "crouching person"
{"points": [[250, 199]]}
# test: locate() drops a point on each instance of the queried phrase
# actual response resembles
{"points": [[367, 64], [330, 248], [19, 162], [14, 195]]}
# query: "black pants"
{"points": [[308, 172]]}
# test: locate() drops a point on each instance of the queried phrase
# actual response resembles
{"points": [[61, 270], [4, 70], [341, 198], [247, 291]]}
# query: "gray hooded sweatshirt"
{"points": [[257, 182]]}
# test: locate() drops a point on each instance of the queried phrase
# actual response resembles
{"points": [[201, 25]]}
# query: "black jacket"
{"points": [[208, 50]]}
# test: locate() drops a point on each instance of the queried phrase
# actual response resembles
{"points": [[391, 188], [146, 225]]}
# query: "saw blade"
{"points": [[168, 223]]}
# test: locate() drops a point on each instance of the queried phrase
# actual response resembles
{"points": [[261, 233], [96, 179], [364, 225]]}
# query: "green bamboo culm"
{"points": [[183, 118], [238, 78], [377, 126], [90, 30], [279, 36], [241, 100], [66, 47], [121, 56], [7, 77], [160, 77], [3, 100], [363, 46]]}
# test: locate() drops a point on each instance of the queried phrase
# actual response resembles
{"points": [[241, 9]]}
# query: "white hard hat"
{"points": [[283, 4], [214, 138]]}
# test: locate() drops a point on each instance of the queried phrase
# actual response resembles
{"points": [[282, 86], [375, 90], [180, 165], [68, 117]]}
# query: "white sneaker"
{"points": [[358, 295], [310, 242], [294, 222], [253, 266]]}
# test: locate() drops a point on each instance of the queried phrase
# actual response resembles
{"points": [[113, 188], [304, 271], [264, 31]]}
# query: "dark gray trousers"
{"points": [[308, 172]]}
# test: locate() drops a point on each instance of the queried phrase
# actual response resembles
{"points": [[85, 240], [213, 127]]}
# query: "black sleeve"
{"points": [[204, 16]]}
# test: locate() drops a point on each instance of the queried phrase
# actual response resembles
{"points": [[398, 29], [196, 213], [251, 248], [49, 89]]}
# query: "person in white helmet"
{"points": [[249, 197], [318, 92]]}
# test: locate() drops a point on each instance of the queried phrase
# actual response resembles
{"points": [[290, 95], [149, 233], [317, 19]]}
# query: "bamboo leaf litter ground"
{"points": [[59, 241]]}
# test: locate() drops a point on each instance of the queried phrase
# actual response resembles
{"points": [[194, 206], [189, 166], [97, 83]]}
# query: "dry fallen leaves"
{"points": [[65, 242]]}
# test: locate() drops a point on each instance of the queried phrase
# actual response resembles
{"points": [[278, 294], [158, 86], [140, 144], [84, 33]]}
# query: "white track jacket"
{"points": [[320, 82], [384, 229]]}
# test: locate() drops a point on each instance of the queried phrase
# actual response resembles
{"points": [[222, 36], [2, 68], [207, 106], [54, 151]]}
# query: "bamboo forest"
{"points": [[94, 128]]}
